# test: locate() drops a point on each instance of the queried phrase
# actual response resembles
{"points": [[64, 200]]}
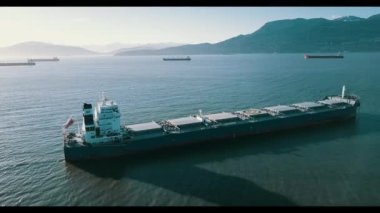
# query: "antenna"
{"points": [[103, 97], [343, 91]]}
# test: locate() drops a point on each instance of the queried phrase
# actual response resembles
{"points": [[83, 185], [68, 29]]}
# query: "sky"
{"points": [[103, 25]]}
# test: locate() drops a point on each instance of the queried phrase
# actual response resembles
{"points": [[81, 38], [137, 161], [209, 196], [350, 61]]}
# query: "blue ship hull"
{"points": [[222, 132]]}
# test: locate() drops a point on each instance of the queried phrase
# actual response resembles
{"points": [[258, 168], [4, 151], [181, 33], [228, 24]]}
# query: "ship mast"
{"points": [[343, 91], [103, 97]]}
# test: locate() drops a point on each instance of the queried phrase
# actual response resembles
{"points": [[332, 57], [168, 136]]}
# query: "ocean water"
{"points": [[331, 165]]}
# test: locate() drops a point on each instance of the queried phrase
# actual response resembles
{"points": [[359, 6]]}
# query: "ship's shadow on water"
{"points": [[176, 169]]}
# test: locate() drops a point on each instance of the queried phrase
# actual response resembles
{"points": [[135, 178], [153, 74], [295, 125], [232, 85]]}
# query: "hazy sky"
{"points": [[102, 25]]}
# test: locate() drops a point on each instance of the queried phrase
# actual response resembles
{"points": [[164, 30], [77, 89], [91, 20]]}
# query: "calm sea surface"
{"points": [[335, 164]]}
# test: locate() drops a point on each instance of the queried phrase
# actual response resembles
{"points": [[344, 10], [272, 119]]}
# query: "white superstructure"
{"points": [[101, 124], [107, 117]]}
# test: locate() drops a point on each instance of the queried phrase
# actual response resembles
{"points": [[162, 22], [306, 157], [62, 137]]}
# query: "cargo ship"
{"points": [[323, 56], [177, 59], [43, 59], [17, 63], [101, 135]]}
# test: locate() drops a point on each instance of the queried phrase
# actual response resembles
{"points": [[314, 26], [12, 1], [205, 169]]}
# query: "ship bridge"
{"points": [[107, 117], [103, 123]]}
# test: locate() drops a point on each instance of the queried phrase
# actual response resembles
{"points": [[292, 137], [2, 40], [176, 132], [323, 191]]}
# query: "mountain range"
{"points": [[350, 33], [114, 48], [36, 49], [33, 49]]}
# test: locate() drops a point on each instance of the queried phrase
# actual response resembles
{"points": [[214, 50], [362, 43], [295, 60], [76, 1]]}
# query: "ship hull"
{"points": [[176, 59], [18, 64], [323, 56], [130, 146]]}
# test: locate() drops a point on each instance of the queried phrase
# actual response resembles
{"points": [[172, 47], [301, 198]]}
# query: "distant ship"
{"points": [[43, 59], [177, 59], [29, 63], [323, 56], [102, 136]]}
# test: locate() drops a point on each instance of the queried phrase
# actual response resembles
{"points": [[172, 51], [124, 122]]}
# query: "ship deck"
{"points": [[251, 115]]}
